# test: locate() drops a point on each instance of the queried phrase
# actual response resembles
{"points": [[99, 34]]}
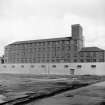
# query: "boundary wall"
{"points": [[97, 68]]}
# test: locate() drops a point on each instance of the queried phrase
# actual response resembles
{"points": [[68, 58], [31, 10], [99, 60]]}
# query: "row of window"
{"points": [[41, 56], [32, 66], [89, 54], [89, 60], [39, 44], [80, 66], [37, 60], [57, 59], [54, 66], [40, 48]]}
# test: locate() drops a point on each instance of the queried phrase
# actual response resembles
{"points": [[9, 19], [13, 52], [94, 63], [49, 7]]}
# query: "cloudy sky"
{"points": [[39, 19]]}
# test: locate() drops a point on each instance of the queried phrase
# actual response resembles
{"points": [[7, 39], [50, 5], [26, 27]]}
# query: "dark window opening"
{"points": [[94, 60], [22, 66], [54, 66], [79, 66], [101, 60], [93, 66], [32, 66], [75, 60], [13, 66], [81, 60], [88, 60], [2, 61], [43, 66], [66, 66]]}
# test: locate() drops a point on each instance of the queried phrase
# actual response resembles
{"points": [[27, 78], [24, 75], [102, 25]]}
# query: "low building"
{"points": [[92, 54]]}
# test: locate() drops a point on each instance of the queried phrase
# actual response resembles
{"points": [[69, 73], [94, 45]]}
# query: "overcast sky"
{"points": [[39, 19]]}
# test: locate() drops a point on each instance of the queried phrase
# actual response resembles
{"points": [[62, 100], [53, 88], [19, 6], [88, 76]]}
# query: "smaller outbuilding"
{"points": [[92, 54]]}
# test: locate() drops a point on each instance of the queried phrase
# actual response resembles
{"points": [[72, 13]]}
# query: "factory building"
{"points": [[55, 50]]}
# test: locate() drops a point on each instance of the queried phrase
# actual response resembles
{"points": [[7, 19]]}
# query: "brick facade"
{"points": [[56, 50]]}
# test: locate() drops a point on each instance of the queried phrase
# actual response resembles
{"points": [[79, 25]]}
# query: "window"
{"points": [[32, 66], [81, 54], [79, 66], [81, 60], [13, 66], [53, 60], [66, 42], [88, 60], [5, 60], [75, 60], [75, 48], [94, 60], [54, 66], [93, 66], [66, 66], [75, 55], [57, 60], [101, 60], [48, 43], [43, 66], [94, 54], [88, 54], [22, 66]]}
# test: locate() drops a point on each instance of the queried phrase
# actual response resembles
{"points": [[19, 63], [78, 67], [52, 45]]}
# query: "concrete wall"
{"points": [[55, 68]]}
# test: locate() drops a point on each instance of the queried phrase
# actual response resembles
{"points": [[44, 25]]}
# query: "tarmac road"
{"points": [[90, 95]]}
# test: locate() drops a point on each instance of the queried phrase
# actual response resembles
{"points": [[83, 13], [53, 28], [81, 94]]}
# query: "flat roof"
{"points": [[41, 40], [91, 49]]}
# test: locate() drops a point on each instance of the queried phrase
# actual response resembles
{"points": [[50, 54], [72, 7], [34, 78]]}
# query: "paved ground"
{"points": [[16, 86], [90, 95]]}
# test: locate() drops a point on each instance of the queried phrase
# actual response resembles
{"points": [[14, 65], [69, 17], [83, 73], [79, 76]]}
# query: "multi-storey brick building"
{"points": [[56, 50]]}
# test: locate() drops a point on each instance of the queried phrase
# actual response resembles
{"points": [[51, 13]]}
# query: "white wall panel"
{"points": [[60, 69]]}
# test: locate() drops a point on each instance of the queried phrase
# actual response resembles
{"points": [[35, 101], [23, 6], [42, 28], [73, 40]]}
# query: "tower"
{"points": [[77, 37]]}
